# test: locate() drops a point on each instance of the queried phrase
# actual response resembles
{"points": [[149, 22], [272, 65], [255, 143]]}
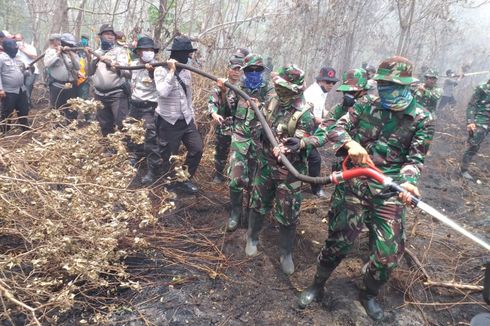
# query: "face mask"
{"points": [[84, 42], [10, 47], [348, 101], [180, 56], [395, 97], [106, 45], [253, 79], [285, 96], [147, 56]]}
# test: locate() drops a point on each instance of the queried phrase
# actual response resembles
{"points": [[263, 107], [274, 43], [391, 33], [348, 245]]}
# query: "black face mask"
{"points": [[10, 47], [349, 101], [180, 56]]}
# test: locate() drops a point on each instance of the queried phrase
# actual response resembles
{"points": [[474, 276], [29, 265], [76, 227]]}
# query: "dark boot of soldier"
{"points": [[236, 210], [368, 295], [315, 290], [287, 236], [218, 172], [255, 220], [464, 166]]}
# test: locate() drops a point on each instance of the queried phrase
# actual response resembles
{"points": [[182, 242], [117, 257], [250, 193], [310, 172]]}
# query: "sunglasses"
{"points": [[328, 82]]}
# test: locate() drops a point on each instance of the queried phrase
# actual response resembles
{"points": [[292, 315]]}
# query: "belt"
{"points": [[144, 104], [108, 90]]}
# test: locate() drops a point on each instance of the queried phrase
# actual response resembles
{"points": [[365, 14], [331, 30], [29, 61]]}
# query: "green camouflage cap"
{"points": [[253, 60], [397, 70], [353, 80], [235, 62], [290, 77], [431, 73]]}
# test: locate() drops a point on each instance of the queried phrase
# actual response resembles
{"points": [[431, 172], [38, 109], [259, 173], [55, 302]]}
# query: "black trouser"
{"points": [[144, 111], [169, 137], [113, 113], [15, 102], [445, 100], [222, 149], [58, 97], [314, 167]]}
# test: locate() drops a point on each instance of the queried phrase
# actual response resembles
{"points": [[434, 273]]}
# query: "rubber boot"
{"points": [[368, 297], [236, 210], [255, 220], [287, 235], [315, 290]]}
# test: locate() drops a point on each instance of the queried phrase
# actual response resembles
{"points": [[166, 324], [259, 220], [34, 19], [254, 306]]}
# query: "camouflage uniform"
{"points": [[429, 97], [396, 132], [221, 104], [478, 112], [288, 116], [246, 132]]}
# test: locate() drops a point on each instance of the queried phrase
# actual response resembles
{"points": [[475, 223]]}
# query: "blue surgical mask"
{"points": [[84, 42], [253, 79], [106, 45]]}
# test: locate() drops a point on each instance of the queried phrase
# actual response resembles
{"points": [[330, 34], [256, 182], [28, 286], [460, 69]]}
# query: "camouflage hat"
{"points": [[431, 73], [290, 77], [235, 62], [397, 70], [253, 60], [353, 80]]}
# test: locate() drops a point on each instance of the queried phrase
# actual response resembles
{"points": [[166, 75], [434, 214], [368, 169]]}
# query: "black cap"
{"points": [[106, 28], [146, 43], [182, 43], [242, 52], [327, 74], [2, 34], [85, 36]]}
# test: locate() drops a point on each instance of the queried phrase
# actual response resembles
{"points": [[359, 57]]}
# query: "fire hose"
{"points": [[336, 177]]}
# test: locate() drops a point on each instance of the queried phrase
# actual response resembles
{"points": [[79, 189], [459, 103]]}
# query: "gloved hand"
{"points": [[293, 144], [412, 190], [357, 153]]}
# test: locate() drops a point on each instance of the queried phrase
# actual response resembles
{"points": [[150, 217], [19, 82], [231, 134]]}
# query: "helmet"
{"points": [[253, 60], [290, 77], [397, 70], [449, 72], [68, 39], [431, 73], [353, 80]]}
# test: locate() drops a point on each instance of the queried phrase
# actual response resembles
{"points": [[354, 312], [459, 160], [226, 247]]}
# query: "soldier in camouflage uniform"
{"points": [[396, 133], [288, 116], [246, 135], [220, 102], [428, 94], [478, 117]]}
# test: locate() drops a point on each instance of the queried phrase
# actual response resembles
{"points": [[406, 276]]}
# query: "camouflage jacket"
{"points": [[246, 126], [428, 98], [396, 141], [222, 104], [296, 120], [478, 110]]}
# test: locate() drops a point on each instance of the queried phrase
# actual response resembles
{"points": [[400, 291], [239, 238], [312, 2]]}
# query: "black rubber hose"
{"points": [[260, 116]]}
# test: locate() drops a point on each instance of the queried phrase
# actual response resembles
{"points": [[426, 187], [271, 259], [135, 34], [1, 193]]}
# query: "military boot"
{"points": [[287, 235], [255, 220], [315, 290], [236, 210], [368, 295]]}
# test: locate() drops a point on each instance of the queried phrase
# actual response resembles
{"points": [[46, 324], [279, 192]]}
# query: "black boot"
{"points": [[287, 235], [236, 210], [315, 290], [368, 297], [255, 220]]}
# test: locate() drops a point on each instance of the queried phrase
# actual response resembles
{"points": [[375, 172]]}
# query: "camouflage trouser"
{"points": [[284, 194], [222, 149], [144, 111], [351, 209], [243, 164], [474, 141]]}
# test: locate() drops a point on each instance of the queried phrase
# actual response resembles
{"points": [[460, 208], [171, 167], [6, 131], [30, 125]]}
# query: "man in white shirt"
{"points": [[27, 53], [316, 94]]}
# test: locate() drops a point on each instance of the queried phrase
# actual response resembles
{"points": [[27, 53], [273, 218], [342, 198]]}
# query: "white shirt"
{"points": [[316, 96], [25, 59]]}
